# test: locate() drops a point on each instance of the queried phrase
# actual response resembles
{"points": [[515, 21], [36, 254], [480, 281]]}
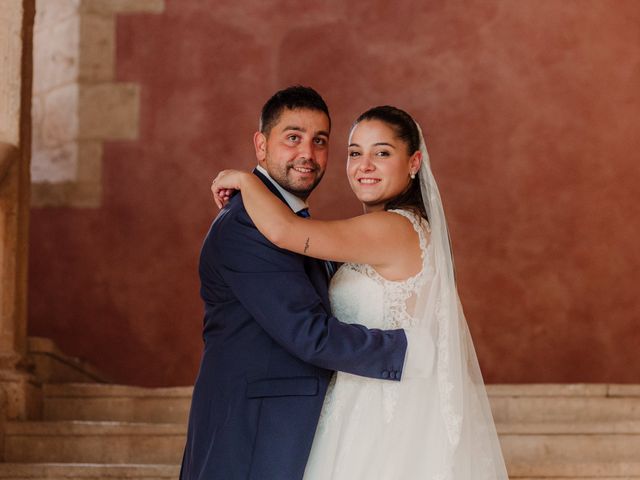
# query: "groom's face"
{"points": [[295, 150]]}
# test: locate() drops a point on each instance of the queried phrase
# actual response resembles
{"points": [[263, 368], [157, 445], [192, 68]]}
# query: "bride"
{"points": [[397, 272]]}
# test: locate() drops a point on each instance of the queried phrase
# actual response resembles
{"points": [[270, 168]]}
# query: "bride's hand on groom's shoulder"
{"points": [[224, 185]]}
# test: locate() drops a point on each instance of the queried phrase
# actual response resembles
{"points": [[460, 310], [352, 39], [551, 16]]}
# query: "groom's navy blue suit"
{"points": [[270, 346]]}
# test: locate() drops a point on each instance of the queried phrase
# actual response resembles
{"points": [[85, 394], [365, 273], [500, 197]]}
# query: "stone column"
{"points": [[16, 32]]}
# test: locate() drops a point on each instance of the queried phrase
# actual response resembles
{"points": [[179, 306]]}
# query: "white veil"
{"points": [[472, 449]]}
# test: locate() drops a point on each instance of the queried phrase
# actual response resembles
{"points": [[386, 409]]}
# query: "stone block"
{"points": [[10, 11], [622, 390], [55, 165], [94, 442], [10, 75], [77, 49], [60, 116], [21, 396], [119, 403], [47, 195], [89, 162], [109, 111], [582, 470], [37, 109], [51, 12], [84, 194], [106, 7], [548, 390], [74, 161], [39, 471], [97, 52], [611, 428], [554, 449], [67, 175], [56, 52], [526, 409], [69, 194], [9, 156]]}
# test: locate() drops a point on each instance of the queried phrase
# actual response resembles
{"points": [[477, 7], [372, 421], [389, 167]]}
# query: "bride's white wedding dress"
{"points": [[372, 429]]}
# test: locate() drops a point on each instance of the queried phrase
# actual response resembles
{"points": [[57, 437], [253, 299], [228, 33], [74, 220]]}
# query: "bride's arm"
{"points": [[373, 238]]}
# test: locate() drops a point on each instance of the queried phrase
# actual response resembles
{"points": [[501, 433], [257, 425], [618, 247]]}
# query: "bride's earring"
{"points": [[413, 175]]}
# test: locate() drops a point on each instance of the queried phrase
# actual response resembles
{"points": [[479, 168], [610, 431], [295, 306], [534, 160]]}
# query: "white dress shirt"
{"points": [[295, 203]]}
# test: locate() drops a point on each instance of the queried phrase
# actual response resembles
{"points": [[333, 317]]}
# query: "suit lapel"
{"points": [[269, 185]]}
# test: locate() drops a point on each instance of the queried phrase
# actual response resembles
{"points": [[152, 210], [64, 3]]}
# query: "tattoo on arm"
{"points": [[306, 245]]}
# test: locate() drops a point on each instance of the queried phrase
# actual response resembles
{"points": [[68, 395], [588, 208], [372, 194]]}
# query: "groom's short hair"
{"points": [[292, 98]]}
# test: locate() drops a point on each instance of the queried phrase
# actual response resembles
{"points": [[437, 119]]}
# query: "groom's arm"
{"points": [[273, 286]]}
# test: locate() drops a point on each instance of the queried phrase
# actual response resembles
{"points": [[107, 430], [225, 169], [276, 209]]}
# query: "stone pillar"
{"points": [[16, 32]]}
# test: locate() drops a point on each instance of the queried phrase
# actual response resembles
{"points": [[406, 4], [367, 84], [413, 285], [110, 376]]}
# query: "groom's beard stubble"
{"points": [[288, 178]]}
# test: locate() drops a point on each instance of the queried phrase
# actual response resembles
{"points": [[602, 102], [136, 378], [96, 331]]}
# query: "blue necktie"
{"points": [[304, 213]]}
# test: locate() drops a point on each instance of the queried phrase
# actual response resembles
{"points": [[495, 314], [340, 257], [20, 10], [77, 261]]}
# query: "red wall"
{"points": [[531, 112]]}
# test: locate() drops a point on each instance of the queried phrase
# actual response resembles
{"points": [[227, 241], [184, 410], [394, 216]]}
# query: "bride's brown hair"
{"points": [[407, 131]]}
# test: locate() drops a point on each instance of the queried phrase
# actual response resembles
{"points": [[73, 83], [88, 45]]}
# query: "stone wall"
{"points": [[77, 104], [531, 113]]}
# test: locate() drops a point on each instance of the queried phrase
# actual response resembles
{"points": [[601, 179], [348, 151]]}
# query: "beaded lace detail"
{"points": [[396, 313], [398, 292]]}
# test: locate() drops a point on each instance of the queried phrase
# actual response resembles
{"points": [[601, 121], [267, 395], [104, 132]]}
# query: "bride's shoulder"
{"points": [[416, 219], [392, 222], [419, 223]]}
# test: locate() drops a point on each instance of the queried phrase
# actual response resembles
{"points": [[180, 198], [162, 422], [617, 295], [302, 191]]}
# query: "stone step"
{"points": [[570, 428], [61, 471], [564, 403], [118, 442], [576, 471], [94, 442], [119, 403], [569, 449], [64, 471], [572, 449], [510, 403]]}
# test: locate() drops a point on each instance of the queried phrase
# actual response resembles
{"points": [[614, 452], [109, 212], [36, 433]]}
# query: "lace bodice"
{"points": [[359, 294]]}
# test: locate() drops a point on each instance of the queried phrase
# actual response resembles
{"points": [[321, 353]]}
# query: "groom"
{"points": [[270, 341]]}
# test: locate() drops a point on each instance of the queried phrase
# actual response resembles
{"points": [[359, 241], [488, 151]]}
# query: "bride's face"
{"points": [[379, 166]]}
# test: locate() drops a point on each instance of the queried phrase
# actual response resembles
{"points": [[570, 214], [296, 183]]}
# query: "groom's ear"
{"points": [[260, 144]]}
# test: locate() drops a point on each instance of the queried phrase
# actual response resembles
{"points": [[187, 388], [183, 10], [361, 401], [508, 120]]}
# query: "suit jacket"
{"points": [[270, 348]]}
